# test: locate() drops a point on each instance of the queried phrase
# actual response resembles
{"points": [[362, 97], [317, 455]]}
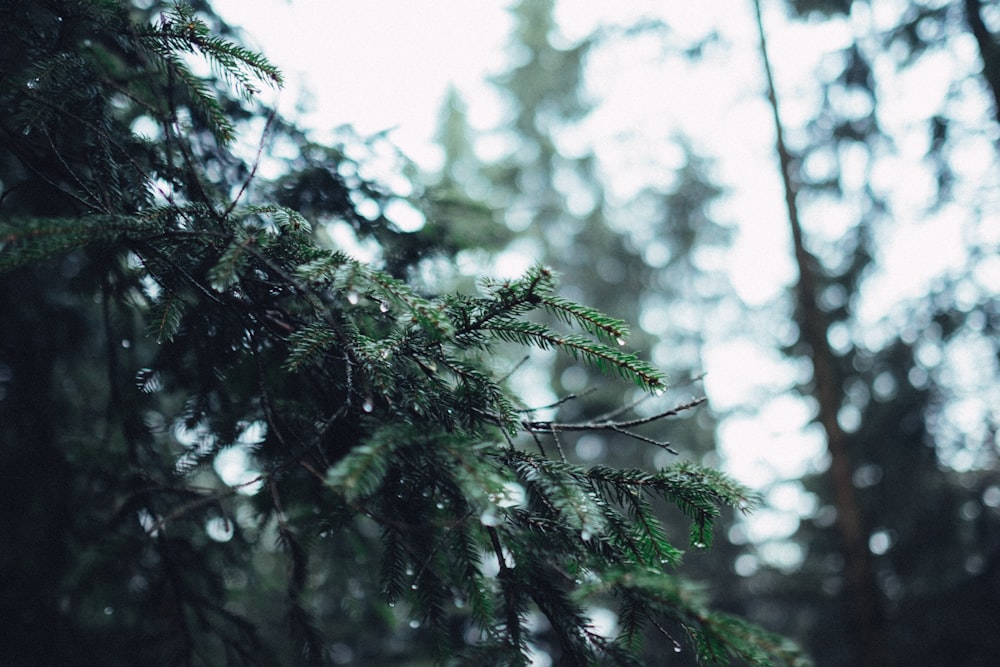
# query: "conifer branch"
{"points": [[375, 402], [598, 355], [589, 319]]}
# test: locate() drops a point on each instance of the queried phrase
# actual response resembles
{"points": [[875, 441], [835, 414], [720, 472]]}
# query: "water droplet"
{"points": [[383, 306], [414, 624], [413, 586], [440, 505], [353, 298], [367, 406], [489, 518], [219, 529], [585, 535], [677, 648], [698, 545], [620, 340], [108, 611], [392, 603]]}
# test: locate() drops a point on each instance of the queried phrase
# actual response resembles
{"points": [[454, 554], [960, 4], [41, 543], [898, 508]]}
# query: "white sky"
{"points": [[377, 64], [383, 64]]}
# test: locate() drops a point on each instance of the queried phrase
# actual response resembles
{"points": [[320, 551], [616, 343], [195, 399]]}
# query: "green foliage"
{"points": [[181, 32], [388, 461]]}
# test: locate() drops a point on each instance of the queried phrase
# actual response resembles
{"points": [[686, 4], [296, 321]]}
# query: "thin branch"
{"points": [[552, 427], [264, 137], [565, 399], [506, 579], [199, 503], [663, 444], [666, 633], [513, 370]]}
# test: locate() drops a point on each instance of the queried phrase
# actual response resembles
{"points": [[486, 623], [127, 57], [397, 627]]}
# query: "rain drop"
{"points": [[353, 298], [383, 306], [620, 340], [414, 624], [367, 406]]}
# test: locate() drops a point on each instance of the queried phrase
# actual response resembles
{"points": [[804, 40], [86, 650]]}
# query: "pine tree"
{"points": [[165, 307], [897, 529]]}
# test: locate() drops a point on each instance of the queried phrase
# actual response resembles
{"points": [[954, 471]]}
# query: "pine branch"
{"points": [[360, 473], [589, 319], [598, 355], [34, 240], [203, 100], [165, 317], [181, 32], [308, 344], [225, 273]]}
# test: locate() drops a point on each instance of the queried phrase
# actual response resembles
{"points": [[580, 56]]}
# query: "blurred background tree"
{"points": [[891, 553], [647, 260], [911, 575]]}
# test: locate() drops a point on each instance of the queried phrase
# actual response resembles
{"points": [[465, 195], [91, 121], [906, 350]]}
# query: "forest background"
{"points": [[822, 263], [648, 130]]}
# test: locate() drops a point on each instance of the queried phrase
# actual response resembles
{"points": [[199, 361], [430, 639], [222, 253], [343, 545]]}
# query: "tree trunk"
{"points": [[869, 619], [989, 50]]}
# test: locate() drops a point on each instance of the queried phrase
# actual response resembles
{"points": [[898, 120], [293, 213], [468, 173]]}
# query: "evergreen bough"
{"points": [[385, 423]]}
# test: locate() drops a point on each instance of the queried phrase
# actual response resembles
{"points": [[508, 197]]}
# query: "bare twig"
{"points": [[602, 425], [609, 424], [564, 399]]}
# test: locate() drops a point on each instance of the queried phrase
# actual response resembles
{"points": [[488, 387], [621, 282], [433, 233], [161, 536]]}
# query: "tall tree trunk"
{"points": [[989, 50], [813, 323]]}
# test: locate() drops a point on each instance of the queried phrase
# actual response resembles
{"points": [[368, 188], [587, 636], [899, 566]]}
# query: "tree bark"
{"points": [[869, 619]]}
